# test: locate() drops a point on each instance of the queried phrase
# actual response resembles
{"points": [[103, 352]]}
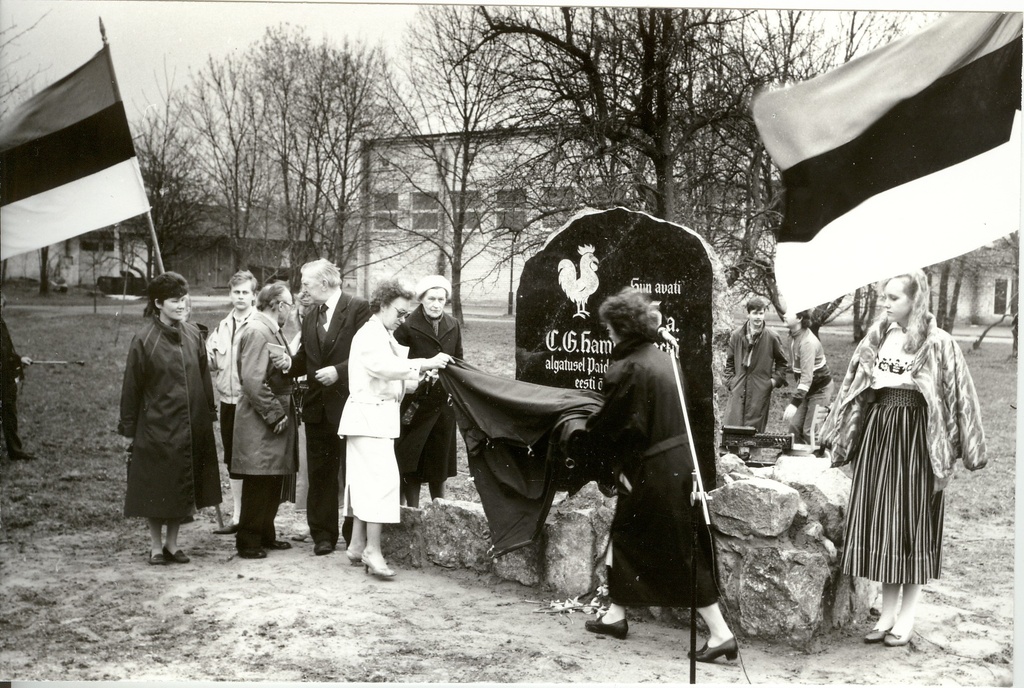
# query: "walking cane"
{"points": [[697, 501]]}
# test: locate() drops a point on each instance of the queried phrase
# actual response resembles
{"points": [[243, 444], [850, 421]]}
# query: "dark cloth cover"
{"points": [[516, 436]]}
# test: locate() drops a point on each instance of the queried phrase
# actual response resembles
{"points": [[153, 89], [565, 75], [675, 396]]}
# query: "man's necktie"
{"points": [[321, 322]]}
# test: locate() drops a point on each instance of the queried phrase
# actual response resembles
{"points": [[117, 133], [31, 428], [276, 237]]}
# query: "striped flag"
{"points": [[902, 158], [67, 163]]}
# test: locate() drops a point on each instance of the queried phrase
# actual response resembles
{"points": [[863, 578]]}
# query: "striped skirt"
{"points": [[894, 521]]}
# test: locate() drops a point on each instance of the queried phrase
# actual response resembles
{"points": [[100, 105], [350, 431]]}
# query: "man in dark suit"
{"points": [[323, 358], [11, 374]]}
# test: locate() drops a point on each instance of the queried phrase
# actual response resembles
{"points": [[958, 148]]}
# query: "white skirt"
{"points": [[372, 481]]}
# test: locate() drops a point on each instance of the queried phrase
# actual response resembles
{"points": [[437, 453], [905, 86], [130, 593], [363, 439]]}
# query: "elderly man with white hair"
{"points": [[426, 448]]}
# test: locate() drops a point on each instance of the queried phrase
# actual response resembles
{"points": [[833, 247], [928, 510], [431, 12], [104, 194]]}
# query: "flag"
{"points": [[900, 159], [67, 163]]}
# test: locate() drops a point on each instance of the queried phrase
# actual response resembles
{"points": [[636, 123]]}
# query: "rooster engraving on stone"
{"points": [[579, 288]]}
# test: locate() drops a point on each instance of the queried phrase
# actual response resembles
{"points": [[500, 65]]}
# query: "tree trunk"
{"points": [[941, 305], [44, 270], [977, 342]]}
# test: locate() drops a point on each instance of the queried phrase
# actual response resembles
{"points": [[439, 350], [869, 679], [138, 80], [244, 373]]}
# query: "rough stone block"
{"points": [[456, 535], [404, 542], [781, 593], [571, 547], [756, 507], [523, 565], [732, 466], [825, 491]]}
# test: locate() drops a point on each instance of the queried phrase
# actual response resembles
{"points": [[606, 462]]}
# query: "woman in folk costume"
{"points": [[755, 364], [380, 372], [167, 410], [426, 449], [640, 433], [906, 411]]}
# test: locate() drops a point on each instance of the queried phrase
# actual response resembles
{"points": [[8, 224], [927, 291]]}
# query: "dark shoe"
{"points": [[178, 557], [23, 457], [157, 559], [278, 544], [876, 635], [227, 530], [323, 547], [252, 553], [709, 654], [619, 629]]}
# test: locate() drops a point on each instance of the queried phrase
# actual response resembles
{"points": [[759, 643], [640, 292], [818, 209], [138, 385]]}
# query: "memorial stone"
{"points": [[560, 341]]}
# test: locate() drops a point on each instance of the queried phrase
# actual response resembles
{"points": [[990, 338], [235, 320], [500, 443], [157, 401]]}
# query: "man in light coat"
{"points": [[222, 350], [265, 427]]}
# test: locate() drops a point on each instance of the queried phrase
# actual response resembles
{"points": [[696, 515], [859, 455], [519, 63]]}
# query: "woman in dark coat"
{"points": [[640, 433], [426, 448], [167, 410]]}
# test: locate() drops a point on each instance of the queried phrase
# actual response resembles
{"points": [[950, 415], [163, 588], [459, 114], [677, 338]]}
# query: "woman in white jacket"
{"points": [[379, 374]]}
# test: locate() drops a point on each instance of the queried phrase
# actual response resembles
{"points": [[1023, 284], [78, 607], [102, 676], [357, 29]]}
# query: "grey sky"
{"points": [[146, 35]]}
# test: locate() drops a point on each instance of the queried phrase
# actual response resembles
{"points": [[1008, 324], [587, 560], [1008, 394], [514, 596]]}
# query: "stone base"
{"points": [[776, 535]]}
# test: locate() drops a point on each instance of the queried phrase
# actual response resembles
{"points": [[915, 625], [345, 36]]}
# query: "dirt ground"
{"points": [[94, 610]]}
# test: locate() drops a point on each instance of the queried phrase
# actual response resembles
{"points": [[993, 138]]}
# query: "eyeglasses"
{"points": [[401, 313], [286, 304]]}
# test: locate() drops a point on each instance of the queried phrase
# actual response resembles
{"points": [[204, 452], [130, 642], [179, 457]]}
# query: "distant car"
{"points": [[132, 283]]}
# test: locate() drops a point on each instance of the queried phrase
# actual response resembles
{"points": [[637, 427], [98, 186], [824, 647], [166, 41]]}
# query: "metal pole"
{"points": [[696, 496]]}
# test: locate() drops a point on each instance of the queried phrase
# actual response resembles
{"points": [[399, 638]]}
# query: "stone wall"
{"points": [[778, 534]]}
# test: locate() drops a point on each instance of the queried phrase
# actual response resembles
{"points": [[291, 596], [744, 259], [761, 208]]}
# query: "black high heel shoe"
{"points": [[619, 629], [730, 648]]}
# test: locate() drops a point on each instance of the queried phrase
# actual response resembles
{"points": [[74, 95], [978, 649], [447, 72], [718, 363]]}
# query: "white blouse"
{"points": [[892, 365]]}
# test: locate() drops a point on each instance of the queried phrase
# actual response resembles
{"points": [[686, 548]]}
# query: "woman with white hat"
{"points": [[426, 448]]}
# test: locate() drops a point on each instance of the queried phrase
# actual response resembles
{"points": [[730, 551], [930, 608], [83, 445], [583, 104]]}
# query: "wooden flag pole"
{"points": [[117, 95]]}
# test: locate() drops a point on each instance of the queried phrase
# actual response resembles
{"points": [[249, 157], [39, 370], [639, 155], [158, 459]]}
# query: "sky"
{"points": [[153, 38], [149, 38]]}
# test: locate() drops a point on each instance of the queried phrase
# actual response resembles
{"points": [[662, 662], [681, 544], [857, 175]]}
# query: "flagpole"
{"points": [[117, 96]]}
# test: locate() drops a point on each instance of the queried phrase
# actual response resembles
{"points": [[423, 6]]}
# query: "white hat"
{"points": [[433, 282]]}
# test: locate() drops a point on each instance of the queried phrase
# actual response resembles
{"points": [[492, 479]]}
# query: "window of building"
{"points": [[97, 242], [1002, 293], [424, 211], [511, 209], [385, 211]]}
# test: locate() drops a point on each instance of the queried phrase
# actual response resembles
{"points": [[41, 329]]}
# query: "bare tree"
{"points": [[228, 113], [451, 102], [166, 148], [322, 101]]}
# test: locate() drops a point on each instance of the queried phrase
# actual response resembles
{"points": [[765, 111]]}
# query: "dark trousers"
{"points": [[227, 432], [9, 413], [261, 495], [325, 463]]}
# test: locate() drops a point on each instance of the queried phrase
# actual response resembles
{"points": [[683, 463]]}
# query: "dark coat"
{"points": [[426, 448], [266, 398], [640, 431], [167, 408], [11, 369], [324, 404], [750, 386]]}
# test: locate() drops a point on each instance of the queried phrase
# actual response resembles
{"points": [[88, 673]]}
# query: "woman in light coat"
{"points": [[906, 411], [379, 375]]}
